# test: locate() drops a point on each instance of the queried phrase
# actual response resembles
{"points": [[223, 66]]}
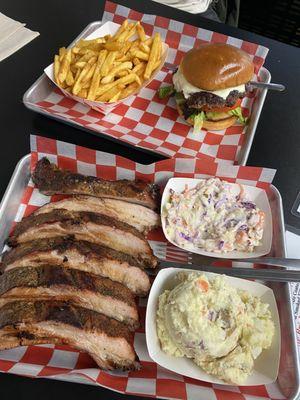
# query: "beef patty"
{"points": [[200, 99], [197, 100]]}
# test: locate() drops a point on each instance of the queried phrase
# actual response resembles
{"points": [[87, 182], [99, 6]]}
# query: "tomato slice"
{"points": [[222, 109]]}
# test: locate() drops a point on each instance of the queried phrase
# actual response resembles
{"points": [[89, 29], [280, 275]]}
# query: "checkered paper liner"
{"points": [[152, 380], [151, 123]]}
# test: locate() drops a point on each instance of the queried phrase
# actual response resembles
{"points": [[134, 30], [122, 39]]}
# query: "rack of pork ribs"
{"points": [[76, 266]]}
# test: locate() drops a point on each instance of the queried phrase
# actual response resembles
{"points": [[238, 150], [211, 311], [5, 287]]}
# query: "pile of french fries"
{"points": [[109, 68]]}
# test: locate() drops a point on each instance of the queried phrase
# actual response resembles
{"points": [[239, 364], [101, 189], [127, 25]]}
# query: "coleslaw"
{"points": [[213, 218]]}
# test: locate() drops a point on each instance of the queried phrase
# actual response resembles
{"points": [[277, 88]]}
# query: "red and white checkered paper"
{"points": [[151, 380], [151, 123]]}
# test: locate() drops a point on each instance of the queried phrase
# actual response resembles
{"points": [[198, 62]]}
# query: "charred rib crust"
{"points": [[61, 244], [50, 180], [17, 312], [50, 275]]}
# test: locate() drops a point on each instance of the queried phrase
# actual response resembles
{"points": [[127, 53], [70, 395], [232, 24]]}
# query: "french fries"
{"points": [[70, 78], [56, 67], [145, 48], [79, 82], [124, 80], [148, 42], [113, 46], [108, 63], [127, 33], [136, 61], [64, 66], [129, 90], [62, 52], [141, 32], [109, 68], [154, 56], [110, 77], [89, 43], [141, 55], [96, 77], [139, 69], [122, 28], [111, 93], [120, 74]]}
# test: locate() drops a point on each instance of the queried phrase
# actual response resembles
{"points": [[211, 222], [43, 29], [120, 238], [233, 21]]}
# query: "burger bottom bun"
{"points": [[212, 125]]}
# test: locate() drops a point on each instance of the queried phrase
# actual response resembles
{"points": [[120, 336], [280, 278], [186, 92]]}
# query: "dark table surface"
{"points": [[276, 143]]}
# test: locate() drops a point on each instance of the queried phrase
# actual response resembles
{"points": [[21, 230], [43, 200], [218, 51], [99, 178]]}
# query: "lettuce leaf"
{"points": [[198, 121], [179, 98], [165, 91], [238, 113]]}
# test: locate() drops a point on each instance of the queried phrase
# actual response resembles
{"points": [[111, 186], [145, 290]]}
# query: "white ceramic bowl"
{"points": [[255, 194], [265, 366]]}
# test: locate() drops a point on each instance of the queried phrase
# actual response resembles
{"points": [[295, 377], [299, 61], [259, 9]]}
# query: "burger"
{"points": [[209, 85]]}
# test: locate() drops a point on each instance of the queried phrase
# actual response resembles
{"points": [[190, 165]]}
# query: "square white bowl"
{"points": [[108, 28], [265, 366], [255, 194]]}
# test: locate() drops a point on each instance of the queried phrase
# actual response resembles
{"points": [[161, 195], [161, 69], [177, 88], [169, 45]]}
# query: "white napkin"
{"points": [[13, 36], [191, 6]]}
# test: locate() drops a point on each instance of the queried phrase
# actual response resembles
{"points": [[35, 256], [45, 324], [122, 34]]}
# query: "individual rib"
{"points": [[50, 179], [108, 341], [140, 217], [81, 255], [91, 227], [80, 288]]}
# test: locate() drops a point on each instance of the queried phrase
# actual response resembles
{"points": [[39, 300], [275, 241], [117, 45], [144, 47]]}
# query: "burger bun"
{"points": [[217, 66]]}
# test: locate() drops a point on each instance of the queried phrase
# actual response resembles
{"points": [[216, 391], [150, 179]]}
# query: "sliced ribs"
{"points": [[80, 288], [51, 180], [95, 228], [140, 217], [81, 255], [108, 341]]}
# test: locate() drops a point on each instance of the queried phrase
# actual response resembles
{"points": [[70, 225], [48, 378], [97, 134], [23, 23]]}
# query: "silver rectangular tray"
{"points": [[42, 87], [288, 378]]}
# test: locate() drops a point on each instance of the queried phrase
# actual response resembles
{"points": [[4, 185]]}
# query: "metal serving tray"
{"points": [[288, 378], [42, 87]]}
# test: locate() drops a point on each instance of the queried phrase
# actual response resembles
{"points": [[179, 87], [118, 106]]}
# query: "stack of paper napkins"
{"points": [[13, 36]]}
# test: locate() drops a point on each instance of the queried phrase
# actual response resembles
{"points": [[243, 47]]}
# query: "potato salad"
{"points": [[221, 328]]}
